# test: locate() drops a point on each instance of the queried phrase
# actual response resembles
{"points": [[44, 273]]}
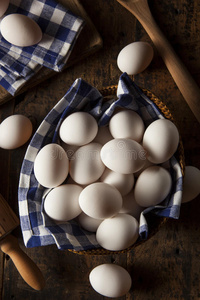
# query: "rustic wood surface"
{"points": [[167, 266], [8, 219]]}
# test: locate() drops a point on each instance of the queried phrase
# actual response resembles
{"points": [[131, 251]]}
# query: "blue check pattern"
{"points": [[60, 28], [37, 228]]}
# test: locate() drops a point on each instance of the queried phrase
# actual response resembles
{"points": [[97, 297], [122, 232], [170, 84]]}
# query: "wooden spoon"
{"points": [[183, 79]]}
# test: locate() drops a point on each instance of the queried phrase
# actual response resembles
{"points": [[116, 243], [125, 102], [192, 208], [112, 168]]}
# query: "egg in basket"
{"points": [[102, 172]]}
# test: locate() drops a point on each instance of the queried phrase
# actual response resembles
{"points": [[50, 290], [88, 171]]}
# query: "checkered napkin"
{"points": [[60, 29], [37, 228]]}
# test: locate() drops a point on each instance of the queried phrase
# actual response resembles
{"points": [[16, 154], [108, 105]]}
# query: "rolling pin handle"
{"points": [[26, 267], [183, 79]]}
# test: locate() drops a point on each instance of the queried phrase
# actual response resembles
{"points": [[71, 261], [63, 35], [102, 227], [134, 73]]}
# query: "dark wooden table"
{"points": [[167, 266]]}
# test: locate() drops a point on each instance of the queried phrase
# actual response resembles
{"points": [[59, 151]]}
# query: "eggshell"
{"points": [[110, 280], [146, 165], [161, 139], [62, 204], [123, 156], [3, 6], [15, 131], [103, 135], [51, 165], [135, 57], [152, 186], [79, 128], [191, 183], [127, 124], [123, 182], [130, 206], [88, 223], [86, 165], [100, 200], [20, 30], [118, 233]]}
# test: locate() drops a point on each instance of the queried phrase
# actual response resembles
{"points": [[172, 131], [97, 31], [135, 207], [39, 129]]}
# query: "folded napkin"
{"points": [[60, 29], [37, 228]]}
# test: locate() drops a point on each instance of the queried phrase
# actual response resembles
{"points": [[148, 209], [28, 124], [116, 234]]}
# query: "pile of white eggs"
{"points": [[106, 183], [105, 176]]}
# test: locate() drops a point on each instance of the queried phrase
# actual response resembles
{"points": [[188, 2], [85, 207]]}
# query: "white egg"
{"points": [[78, 129], [88, 223], [69, 180], [123, 182], [161, 139], [3, 6], [20, 30], [62, 202], [123, 156], [146, 165], [191, 183], [86, 165], [110, 280], [152, 186], [127, 124], [15, 131], [135, 57], [118, 233], [130, 206], [103, 135], [100, 200], [51, 165]]}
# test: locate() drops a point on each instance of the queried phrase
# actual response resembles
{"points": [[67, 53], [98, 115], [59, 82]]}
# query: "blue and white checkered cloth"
{"points": [[60, 29], [37, 228]]}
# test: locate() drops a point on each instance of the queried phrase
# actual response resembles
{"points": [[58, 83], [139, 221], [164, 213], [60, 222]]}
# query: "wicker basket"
{"points": [[155, 223]]}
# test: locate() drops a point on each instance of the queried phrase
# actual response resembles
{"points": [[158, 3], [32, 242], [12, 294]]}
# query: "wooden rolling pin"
{"points": [[9, 245], [183, 79]]}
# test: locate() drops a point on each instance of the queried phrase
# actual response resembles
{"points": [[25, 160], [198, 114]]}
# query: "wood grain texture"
{"points": [[166, 266], [8, 219]]}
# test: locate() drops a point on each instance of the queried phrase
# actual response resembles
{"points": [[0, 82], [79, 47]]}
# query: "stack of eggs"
{"points": [[105, 176]]}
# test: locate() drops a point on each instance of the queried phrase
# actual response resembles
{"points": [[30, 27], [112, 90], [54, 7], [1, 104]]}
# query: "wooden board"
{"points": [[88, 42], [8, 219]]}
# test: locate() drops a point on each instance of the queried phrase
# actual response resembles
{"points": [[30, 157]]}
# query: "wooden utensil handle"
{"points": [[26, 267], [183, 79]]}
